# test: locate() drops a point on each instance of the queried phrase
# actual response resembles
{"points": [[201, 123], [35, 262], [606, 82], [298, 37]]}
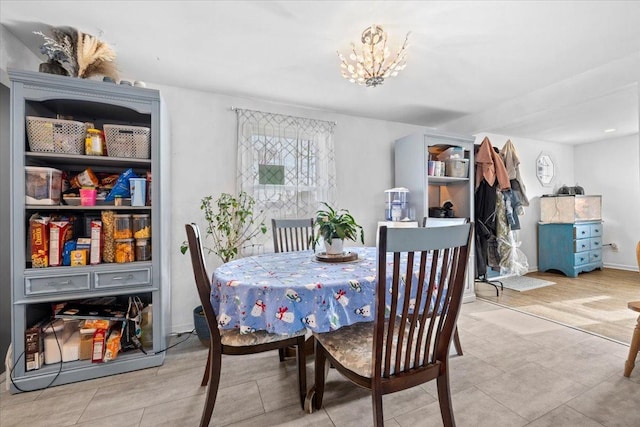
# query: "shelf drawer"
{"points": [[581, 258], [111, 279], [595, 230], [595, 243], [582, 231], [581, 245], [55, 284]]}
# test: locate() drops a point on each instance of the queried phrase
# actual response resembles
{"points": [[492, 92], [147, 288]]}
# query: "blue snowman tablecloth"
{"points": [[285, 292]]}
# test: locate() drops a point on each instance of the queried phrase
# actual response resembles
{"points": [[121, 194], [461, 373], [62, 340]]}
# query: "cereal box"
{"points": [[39, 232]]}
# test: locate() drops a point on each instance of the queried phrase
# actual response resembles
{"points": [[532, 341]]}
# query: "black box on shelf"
{"points": [[34, 347]]}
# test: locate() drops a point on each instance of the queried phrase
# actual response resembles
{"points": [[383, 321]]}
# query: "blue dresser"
{"points": [[571, 248]]}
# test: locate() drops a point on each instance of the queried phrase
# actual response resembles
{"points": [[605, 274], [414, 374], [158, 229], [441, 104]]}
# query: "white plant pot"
{"points": [[336, 247]]}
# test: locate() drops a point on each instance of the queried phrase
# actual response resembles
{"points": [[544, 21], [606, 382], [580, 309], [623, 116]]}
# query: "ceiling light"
{"points": [[374, 62], [610, 130]]}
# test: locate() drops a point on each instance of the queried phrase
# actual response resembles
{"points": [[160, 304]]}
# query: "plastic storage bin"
{"points": [[127, 141], [143, 249], [43, 185], [55, 136], [124, 250], [122, 227], [456, 168], [141, 226]]}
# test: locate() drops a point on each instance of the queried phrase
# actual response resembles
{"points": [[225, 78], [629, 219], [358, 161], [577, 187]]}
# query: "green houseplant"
{"points": [[231, 225], [333, 224]]}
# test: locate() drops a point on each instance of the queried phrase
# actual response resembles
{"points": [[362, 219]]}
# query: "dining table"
{"points": [[285, 292]]}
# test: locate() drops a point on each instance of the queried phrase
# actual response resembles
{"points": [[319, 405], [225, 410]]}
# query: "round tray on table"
{"points": [[343, 257]]}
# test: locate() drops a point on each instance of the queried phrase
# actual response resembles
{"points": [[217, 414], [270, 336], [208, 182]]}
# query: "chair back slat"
{"points": [[203, 283], [416, 312], [292, 234]]}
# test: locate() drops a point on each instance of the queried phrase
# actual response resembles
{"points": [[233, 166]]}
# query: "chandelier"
{"points": [[374, 63]]}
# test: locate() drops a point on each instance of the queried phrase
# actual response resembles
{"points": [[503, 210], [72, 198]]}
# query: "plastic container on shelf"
{"points": [[42, 185], [124, 250], [143, 249], [122, 226], [141, 226]]}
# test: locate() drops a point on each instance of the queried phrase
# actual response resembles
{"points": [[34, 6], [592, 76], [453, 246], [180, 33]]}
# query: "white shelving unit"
{"points": [[412, 154], [35, 290]]}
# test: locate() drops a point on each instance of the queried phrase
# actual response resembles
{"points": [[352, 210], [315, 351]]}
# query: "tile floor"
{"points": [[517, 370]]}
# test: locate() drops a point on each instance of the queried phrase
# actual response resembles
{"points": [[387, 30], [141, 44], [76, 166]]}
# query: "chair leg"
{"points": [[320, 374], [281, 354], [444, 398], [633, 350], [456, 342], [301, 357], [214, 363], [378, 417], [207, 369]]}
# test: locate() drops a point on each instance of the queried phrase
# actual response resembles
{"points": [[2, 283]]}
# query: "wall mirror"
{"points": [[545, 169]]}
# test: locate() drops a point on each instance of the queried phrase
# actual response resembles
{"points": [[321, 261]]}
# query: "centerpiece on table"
{"points": [[333, 226]]}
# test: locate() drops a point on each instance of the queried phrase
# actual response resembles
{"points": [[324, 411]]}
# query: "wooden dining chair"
{"points": [[292, 234], [635, 338], [231, 342], [408, 342], [456, 337]]}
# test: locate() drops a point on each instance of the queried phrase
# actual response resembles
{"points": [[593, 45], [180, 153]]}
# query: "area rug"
{"points": [[524, 283]]}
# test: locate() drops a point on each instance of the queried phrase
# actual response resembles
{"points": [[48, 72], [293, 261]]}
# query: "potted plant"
{"points": [[333, 226], [231, 225]]}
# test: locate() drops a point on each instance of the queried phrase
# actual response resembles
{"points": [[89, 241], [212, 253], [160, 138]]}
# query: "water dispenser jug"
{"points": [[397, 204]]}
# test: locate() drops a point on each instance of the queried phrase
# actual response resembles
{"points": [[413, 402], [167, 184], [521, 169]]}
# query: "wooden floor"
{"points": [[595, 302]]}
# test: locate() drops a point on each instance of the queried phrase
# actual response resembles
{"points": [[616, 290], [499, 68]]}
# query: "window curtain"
{"points": [[285, 163]]}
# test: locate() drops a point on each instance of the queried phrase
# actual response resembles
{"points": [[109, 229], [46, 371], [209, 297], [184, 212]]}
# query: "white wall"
{"points": [[203, 162], [611, 168], [528, 151], [14, 54]]}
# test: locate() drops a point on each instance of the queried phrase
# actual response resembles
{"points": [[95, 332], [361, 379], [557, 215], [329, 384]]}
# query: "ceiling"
{"points": [[557, 71]]}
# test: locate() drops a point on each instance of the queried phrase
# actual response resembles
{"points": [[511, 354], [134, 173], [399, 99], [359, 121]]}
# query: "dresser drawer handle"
{"points": [[65, 282], [595, 256], [595, 243], [581, 259]]}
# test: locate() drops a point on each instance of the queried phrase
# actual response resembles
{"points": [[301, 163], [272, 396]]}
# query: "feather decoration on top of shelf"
{"points": [[95, 57], [73, 53]]}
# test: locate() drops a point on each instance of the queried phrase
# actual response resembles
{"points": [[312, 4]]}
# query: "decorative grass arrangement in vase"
{"points": [[76, 54]]}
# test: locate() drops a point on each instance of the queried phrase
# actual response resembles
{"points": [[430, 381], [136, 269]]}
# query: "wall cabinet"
{"points": [[412, 156], [34, 291], [571, 248]]}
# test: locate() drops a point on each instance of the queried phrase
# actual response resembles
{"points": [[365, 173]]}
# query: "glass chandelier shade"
{"points": [[374, 62]]}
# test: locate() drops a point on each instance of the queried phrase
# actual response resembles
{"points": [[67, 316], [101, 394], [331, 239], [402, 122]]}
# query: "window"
{"points": [[285, 163]]}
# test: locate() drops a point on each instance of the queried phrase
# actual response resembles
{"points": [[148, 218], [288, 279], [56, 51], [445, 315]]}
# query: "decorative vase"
{"points": [[52, 68], [200, 323], [336, 247]]}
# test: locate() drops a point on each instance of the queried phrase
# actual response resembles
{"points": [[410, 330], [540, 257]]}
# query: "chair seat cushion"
{"points": [[233, 337], [352, 347]]}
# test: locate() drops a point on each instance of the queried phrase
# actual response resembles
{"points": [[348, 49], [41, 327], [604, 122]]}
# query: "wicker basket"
{"points": [[55, 135], [127, 141]]}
